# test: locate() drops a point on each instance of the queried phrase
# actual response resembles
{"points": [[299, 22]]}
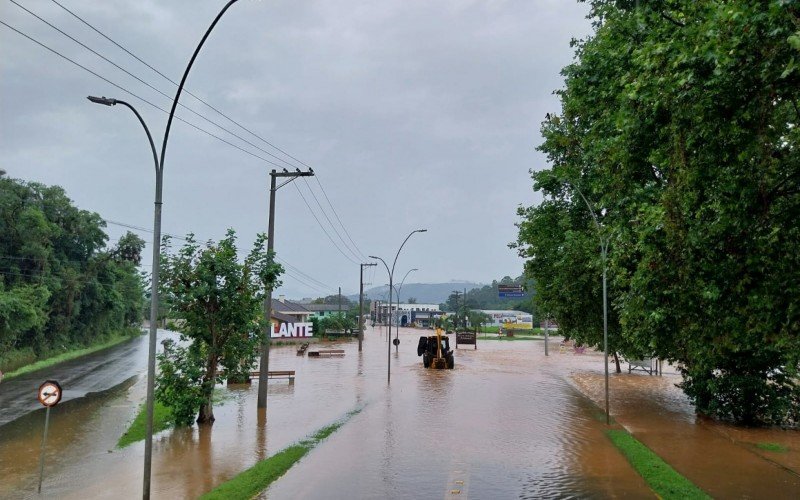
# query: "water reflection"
{"points": [[506, 422]]}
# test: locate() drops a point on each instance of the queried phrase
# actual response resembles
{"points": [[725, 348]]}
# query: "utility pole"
{"points": [[465, 309], [340, 302], [361, 305], [457, 293], [264, 367]]}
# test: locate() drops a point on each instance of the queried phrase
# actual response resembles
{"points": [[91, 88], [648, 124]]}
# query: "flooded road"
{"points": [[507, 422], [95, 372]]}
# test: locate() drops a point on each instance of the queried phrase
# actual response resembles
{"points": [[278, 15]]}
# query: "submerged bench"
{"points": [[302, 349], [326, 352], [645, 365], [276, 374], [288, 374]]}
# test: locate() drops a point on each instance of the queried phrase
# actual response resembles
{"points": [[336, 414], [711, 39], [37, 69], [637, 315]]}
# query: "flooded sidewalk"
{"points": [[723, 460]]}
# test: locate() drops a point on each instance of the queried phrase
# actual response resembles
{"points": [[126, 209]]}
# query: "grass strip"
{"points": [[66, 356], [776, 447], [162, 419], [257, 478], [663, 479]]}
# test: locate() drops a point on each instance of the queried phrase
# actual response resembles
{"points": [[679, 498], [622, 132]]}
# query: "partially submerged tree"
{"points": [[220, 301], [679, 123]]}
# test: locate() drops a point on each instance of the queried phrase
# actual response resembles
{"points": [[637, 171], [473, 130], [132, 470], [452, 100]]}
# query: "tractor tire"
{"points": [[426, 360], [451, 362], [422, 346]]}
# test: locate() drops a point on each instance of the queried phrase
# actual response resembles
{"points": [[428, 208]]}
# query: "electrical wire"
{"points": [[324, 213], [79, 18], [149, 85], [137, 96], [356, 254], [323, 227], [362, 256], [359, 254]]}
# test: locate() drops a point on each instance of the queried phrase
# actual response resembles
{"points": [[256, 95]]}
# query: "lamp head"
{"points": [[422, 230], [372, 257], [102, 100]]}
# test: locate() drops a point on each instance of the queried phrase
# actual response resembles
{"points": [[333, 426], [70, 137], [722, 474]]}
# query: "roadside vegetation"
{"points": [[676, 143], [249, 483], [72, 354], [659, 476], [62, 287], [162, 420], [776, 447]]}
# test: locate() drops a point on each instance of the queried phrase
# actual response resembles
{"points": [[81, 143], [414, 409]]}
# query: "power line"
{"points": [[359, 255], [363, 257], [137, 96], [79, 18], [323, 227], [298, 271], [306, 280], [329, 221], [149, 85]]}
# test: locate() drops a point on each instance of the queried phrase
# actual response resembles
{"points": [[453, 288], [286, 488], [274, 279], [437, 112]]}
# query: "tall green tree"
{"points": [[219, 299], [679, 124], [59, 284]]}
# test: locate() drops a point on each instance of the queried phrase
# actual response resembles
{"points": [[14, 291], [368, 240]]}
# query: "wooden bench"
{"points": [[326, 352], [645, 365], [276, 374]]}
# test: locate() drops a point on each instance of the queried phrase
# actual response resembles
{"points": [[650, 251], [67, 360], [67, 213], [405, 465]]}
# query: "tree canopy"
{"points": [[60, 285], [220, 301], [678, 124]]}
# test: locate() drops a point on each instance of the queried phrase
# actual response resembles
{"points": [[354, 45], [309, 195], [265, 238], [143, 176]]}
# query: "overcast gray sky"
{"points": [[414, 114]]}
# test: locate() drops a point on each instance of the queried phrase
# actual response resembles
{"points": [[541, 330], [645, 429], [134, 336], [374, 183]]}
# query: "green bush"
{"points": [[17, 358], [179, 384]]}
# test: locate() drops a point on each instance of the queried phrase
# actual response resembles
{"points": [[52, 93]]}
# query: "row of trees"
{"points": [[60, 285], [679, 125]]}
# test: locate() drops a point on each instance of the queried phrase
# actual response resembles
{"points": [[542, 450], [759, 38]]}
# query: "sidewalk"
{"points": [[721, 459]]}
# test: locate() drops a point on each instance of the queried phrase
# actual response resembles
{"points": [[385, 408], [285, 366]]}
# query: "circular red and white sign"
{"points": [[49, 393]]}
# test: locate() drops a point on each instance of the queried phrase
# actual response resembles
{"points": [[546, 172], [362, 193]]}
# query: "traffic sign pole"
{"points": [[44, 442], [49, 395]]}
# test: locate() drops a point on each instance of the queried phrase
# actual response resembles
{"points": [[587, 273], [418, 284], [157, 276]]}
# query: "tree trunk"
{"points": [[206, 415], [616, 360]]}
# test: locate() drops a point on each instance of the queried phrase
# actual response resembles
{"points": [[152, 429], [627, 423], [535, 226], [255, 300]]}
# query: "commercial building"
{"points": [[405, 314]]}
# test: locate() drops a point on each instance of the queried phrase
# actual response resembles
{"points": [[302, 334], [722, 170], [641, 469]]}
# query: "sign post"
{"points": [[49, 395], [510, 291]]}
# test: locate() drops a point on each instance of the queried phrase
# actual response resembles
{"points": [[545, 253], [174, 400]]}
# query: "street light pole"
{"points": [[397, 329], [604, 254], [391, 275], [154, 277], [361, 304], [151, 361], [263, 369]]}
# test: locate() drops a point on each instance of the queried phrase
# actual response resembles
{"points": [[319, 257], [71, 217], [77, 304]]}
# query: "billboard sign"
{"points": [[508, 291], [292, 330]]}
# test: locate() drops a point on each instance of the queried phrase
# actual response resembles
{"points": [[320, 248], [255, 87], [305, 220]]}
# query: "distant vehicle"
{"points": [[435, 351]]}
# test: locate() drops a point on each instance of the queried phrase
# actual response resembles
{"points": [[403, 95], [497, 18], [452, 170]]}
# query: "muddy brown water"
{"points": [[506, 423]]}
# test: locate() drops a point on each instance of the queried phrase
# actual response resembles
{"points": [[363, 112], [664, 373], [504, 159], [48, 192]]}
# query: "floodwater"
{"points": [[507, 422]]}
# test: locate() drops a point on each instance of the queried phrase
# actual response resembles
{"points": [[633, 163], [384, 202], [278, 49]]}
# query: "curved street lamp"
{"points": [[604, 240], [397, 329], [151, 357], [391, 276]]}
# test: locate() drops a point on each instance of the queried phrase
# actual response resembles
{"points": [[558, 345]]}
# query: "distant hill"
{"points": [[425, 293]]}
